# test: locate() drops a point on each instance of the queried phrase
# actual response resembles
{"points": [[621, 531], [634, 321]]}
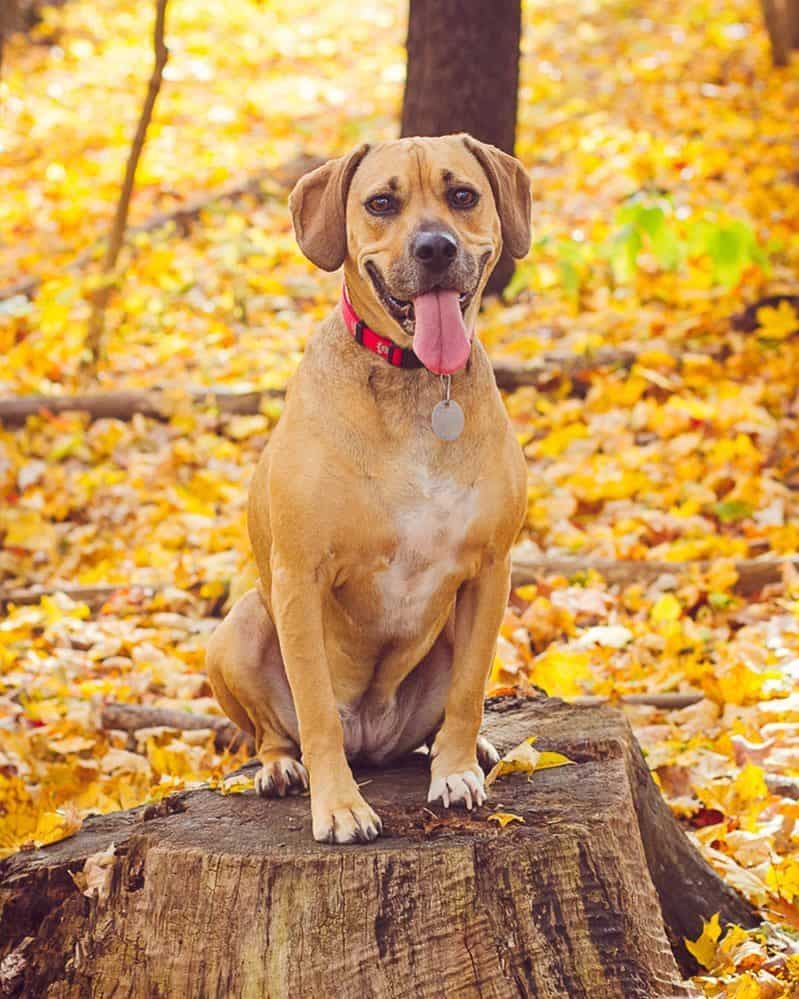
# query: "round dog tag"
{"points": [[447, 420]]}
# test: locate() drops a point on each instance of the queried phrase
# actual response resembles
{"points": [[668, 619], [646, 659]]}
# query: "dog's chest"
{"points": [[428, 544]]}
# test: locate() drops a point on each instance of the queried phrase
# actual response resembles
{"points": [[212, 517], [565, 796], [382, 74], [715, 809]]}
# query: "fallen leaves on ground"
{"points": [[661, 145]]}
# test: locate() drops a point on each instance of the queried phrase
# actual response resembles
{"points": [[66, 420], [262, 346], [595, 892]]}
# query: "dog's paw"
{"points": [[281, 776], [465, 789], [487, 756], [354, 822]]}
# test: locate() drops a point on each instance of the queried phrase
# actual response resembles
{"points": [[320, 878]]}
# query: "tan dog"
{"points": [[383, 550]]}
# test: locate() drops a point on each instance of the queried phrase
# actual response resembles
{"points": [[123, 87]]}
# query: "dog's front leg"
{"points": [[455, 775], [339, 812]]}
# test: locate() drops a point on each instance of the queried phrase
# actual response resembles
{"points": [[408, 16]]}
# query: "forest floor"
{"points": [[664, 156]]}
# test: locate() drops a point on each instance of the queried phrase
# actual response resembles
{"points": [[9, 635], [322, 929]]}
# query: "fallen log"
{"points": [[543, 372], [118, 598], [206, 894], [665, 702], [753, 575], [135, 717], [124, 405]]}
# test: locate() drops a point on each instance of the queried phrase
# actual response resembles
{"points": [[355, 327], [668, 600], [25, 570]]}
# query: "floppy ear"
{"points": [[511, 187], [318, 210]]}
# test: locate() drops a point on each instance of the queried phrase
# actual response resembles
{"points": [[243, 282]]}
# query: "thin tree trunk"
{"points": [[94, 338], [463, 76]]}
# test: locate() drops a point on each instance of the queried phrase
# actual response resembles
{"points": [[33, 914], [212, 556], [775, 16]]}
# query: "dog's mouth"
{"points": [[402, 311]]}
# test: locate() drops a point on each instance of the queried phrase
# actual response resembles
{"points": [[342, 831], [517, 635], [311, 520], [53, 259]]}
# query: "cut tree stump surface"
{"points": [[212, 895]]}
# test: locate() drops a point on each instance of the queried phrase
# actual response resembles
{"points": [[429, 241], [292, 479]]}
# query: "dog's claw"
{"points": [[487, 756], [282, 776], [466, 789], [355, 824]]}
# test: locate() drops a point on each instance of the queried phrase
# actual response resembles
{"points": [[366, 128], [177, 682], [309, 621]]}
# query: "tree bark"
{"points": [[775, 17], [463, 76], [792, 17], [8, 18], [206, 894]]}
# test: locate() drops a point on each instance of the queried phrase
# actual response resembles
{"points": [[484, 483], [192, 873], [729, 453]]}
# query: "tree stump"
{"points": [[212, 895]]}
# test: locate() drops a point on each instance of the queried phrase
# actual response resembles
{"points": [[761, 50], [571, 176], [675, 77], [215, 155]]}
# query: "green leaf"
{"points": [[667, 249], [721, 601], [623, 250], [569, 278], [731, 510], [523, 278]]}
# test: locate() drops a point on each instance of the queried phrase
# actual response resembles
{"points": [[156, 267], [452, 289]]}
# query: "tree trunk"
{"points": [[792, 17], [212, 895], [8, 17], [776, 20], [463, 76]]}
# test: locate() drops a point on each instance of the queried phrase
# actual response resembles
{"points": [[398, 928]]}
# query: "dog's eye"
{"points": [[381, 204], [462, 197]]}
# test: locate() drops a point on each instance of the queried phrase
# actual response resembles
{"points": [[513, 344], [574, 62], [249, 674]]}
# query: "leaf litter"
{"points": [[661, 145]]}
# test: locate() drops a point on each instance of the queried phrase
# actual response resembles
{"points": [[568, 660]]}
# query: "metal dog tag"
{"points": [[447, 420]]}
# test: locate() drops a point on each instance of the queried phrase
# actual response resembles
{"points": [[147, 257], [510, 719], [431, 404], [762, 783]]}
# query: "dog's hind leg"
{"points": [[245, 669]]}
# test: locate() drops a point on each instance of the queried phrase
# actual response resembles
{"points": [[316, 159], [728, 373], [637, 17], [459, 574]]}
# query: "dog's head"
{"points": [[418, 224]]}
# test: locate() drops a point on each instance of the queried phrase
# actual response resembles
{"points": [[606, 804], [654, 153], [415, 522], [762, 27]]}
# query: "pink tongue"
{"points": [[440, 340]]}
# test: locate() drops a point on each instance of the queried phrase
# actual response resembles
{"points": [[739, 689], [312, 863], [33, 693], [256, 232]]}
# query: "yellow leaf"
{"points": [[779, 323], [28, 530], [504, 818], [705, 946], [747, 987], [546, 761], [560, 671], [524, 759], [666, 608], [520, 759], [53, 826], [783, 879], [750, 784], [237, 784]]}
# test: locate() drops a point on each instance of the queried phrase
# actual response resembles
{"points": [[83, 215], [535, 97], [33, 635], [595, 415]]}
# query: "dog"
{"points": [[382, 541]]}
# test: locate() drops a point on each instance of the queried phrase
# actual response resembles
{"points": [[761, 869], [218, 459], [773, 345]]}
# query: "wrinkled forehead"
{"points": [[410, 164]]}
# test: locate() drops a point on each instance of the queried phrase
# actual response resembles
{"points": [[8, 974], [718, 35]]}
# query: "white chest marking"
{"points": [[430, 533]]}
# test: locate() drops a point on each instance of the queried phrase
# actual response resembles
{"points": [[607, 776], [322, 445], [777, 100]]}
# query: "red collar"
{"points": [[400, 357]]}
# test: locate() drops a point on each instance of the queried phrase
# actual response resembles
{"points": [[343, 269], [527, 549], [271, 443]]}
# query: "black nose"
{"points": [[434, 248]]}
